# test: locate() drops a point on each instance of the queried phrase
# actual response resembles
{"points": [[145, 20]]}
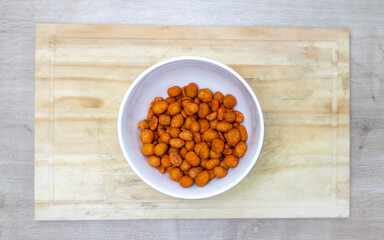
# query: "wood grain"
{"points": [[17, 57], [301, 77]]}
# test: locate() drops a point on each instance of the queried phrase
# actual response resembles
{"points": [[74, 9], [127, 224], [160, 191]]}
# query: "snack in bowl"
{"points": [[194, 135]]}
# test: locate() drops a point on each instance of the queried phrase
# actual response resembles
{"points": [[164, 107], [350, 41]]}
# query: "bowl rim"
{"points": [[202, 59]]}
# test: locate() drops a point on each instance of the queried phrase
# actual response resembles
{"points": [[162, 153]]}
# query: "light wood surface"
{"points": [[17, 55], [301, 77]]}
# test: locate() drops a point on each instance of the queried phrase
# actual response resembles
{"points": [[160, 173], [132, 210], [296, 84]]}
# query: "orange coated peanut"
{"points": [[202, 178], [186, 181]]}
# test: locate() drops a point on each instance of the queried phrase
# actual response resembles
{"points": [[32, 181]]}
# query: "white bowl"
{"points": [[180, 71]]}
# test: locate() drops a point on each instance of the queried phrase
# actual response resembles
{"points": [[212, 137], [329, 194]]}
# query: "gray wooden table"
{"points": [[365, 20]]}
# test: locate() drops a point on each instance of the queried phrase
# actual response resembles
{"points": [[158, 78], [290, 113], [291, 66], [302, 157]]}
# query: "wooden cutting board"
{"points": [[300, 76]]}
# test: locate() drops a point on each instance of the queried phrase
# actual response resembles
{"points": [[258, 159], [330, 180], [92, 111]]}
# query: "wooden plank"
{"points": [[300, 76]]}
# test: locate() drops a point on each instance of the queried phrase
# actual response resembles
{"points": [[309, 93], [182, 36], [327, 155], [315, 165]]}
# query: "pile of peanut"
{"points": [[193, 135]]}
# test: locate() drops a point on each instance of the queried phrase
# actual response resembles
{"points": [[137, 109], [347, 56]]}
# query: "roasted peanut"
{"points": [[240, 149], [197, 137], [202, 179], [165, 161], [186, 135], [204, 125], [197, 101], [212, 116], [183, 151], [227, 151], [221, 113], [171, 149], [191, 108], [148, 149], [210, 135], [177, 121], [186, 181], [187, 123], [174, 108], [175, 159], [164, 138], [194, 171], [213, 123], [153, 122], [165, 119], [161, 169], [189, 145], [175, 174], [192, 159], [191, 90], [215, 105], [229, 101], [219, 96], [160, 107], [211, 174], [195, 126], [239, 117], [223, 126], [213, 154], [174, 132], [198, 147], [176, 143], [150, 114], [212, 163], [220, 172], [170, 100], [203, 110], [155, 100], [161, 149], [143, 125], [243, 133], [204, 152], [185, 166], [217, 145], [160, 131], [174, 91], [233, 137], [231, 161], [235, 125], [146, 136], [203, 163], [205, 95], [154, 161], [222, 164], [230, 116]]}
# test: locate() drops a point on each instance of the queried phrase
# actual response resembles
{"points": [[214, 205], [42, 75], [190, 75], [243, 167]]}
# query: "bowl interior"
{"points": [[155, 83]]}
